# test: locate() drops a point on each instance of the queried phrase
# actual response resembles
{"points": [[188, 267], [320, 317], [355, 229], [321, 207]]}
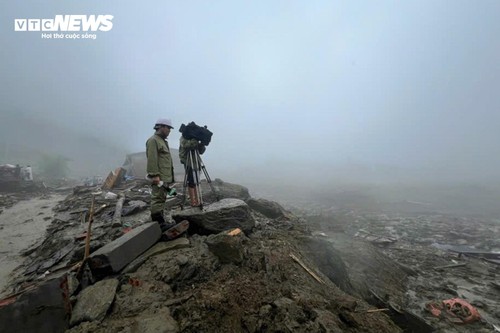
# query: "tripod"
{"points": [[194, 164]]}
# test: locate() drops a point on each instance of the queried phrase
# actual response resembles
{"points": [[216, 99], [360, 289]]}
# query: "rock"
{"points": [[182, 259], [268, 208], [159, 322], [94, 302], [229, 249], [222, 215], [228, 190], [134, 206]]}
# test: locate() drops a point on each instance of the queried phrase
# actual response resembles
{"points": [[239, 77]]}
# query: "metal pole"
{"points": [[207, 176], [196, 171]]}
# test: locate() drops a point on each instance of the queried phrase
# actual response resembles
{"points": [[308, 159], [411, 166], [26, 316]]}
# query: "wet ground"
{"points": [[402, 261], [22, 225]]}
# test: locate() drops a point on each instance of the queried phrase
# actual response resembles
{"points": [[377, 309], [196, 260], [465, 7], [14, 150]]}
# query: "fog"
{"points": [[296, 92]]}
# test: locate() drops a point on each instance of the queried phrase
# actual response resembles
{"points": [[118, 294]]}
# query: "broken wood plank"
{"points": [[114, 178], [316, 277], [117, 217], [89, 228], [234, 232]]}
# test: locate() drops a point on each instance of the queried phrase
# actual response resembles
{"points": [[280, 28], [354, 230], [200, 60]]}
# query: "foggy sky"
{"points": [[296, 85]]}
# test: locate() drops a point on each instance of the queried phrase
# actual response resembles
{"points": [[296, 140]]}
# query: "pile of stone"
{"points": [[245, 265]]}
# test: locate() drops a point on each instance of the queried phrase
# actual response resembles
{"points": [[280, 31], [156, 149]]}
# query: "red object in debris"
{"points": [[134, 282], [127, 230], [462, 309], [434, 308], [456, 308]]}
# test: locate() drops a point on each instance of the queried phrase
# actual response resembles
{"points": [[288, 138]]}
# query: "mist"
{"points": [[324, 94]]}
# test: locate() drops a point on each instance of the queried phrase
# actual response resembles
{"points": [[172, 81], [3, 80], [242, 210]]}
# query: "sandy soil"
{"points": [[21, 226]]}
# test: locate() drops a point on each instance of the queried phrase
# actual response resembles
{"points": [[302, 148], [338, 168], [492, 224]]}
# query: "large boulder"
{"points": [[220, 216], [228, 190], [267, 208]]}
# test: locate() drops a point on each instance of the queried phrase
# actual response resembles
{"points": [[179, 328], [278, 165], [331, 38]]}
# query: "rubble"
{"points": [[418, 268], [250, 265]]}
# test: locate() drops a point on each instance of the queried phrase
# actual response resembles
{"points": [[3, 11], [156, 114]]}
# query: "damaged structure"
{"points": [[15, 177]]}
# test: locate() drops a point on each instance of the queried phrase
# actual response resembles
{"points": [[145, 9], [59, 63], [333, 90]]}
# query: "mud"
{"points": [[22, 224], [408, 273]]}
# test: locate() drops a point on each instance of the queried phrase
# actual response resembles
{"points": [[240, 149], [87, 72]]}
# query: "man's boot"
{"points": [[193, 196], [158, 217]]}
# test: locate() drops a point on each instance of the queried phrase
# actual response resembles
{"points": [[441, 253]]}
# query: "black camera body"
{"points": [[193, 131]]}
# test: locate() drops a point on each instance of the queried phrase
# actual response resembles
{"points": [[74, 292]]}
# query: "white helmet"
{"points": [[163, 122]]}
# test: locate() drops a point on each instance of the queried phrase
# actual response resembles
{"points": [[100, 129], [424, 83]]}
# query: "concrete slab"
{"points": [[112, 257]]}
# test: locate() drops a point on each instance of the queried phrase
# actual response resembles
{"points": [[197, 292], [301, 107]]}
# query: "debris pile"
{"points": [[404, 262], [253, 269]]}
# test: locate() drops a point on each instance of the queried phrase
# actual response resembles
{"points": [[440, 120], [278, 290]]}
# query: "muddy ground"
{"points": [[23, 222], [422, 270], [188, 289]]}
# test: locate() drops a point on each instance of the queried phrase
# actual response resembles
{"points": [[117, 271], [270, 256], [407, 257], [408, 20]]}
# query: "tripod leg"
{"points": [[184, 185], [207, 176], [196, 167]]}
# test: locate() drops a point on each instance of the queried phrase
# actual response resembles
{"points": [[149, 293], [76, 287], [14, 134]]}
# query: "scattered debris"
{"points": [[176, 231], [117, 216], [114, 178], [451, 266], [376, 239], [455, 310], [194, 283]]}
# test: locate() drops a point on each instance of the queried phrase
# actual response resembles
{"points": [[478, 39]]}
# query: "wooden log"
{"points": [[89, 228], [117, 217], [308, 270]]}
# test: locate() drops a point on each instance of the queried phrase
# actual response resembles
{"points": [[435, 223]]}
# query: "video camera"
{"points": [[193, 131]]}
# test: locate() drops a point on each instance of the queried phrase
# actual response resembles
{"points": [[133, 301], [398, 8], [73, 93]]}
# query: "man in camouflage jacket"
{"points": [[159, 169]]}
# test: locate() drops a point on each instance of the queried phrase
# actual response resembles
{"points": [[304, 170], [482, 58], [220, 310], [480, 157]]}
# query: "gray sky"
{"points": [[403, 84]]}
